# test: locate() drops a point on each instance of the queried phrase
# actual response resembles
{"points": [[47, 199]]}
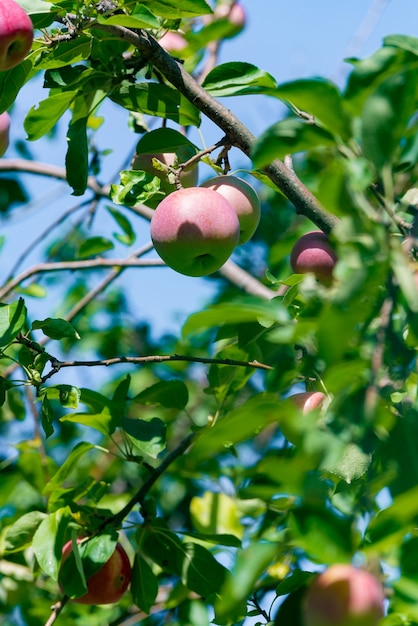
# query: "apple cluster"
{"points": [[196, 229], [344, 595]]}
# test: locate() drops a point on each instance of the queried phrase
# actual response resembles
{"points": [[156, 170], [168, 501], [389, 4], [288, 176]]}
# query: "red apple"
{"points": [[107, 585], [235, 14], [4, 132], [172, 42], [243, 199], [16, 34], [313, 253], [308, 401], [344, 596], [188, 178], [194, 231]]}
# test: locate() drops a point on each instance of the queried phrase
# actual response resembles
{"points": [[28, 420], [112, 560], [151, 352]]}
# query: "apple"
{"points": [[16, 34], [188, 178], [172, 42], [194, 230], [243, 199], [343, 595], [308, 401], [110, 582], [4, 132], [235, 14], [313, 253]]}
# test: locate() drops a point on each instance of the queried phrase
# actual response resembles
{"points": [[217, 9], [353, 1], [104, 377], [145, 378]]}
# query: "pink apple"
{"points": [[188, 178], [16, 34], [108, 584], [235, 14], [194, 231], [172, 42], [4, 132], [308, 401], [243, 199], [344, 596], [313, 253]]}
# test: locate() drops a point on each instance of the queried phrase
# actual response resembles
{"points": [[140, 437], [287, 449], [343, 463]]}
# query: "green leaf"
{"points": [[118, 402], [172, 394], [12, 321], [12, 81], [41, 13], [321, 99], [42, 118], [148, 436], [238, 425], [68, 465], [240, 582], [322, 534], [136, 187], [128, 237], [94, 246], [172, 9], [162, 546], [76, 159], [163, 140], [19, 535], [56, 328], [66, 53], [216, 513], [292, 583], [141, 17], [201, 572], [240, 310], [144, 584], [103, 421], [406, 42], [387, 528], [160, 100], [289, 136], [405, 276], [386, 114], [237, 79], [47, 417], [48, 539]]}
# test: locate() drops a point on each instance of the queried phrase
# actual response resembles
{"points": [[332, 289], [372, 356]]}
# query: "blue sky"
{"points": [[301, 38]]}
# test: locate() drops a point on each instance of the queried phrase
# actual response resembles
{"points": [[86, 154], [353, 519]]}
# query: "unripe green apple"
{"points": [[243, 199], [314, 253], [4, 132], [110, 582], [343, 595], [188, 178], [194, 231], [16, 34]]}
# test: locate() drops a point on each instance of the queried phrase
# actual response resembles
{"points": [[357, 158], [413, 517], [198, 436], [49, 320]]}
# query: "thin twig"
{"points": [[56, 610], [87, 264], [57, 365]]}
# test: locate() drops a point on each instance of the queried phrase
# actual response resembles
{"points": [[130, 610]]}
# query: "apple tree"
{"points": [[274, 436]]}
